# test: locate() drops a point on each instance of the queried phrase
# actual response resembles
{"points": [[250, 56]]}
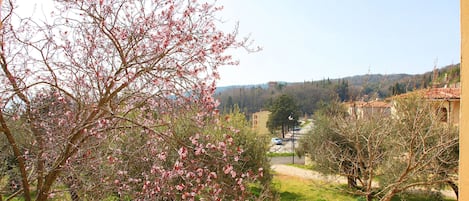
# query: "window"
{"points": [[443, 113]]}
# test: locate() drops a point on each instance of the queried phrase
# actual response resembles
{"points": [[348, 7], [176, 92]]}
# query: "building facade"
{"points": [[362, 109], [464, 126], [259, 122]]}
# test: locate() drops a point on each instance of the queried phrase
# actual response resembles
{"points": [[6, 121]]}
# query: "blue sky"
{"points": [[306, 40]]}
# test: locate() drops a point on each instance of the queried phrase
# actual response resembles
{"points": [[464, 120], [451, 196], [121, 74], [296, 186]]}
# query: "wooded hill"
{"points": [[308, 94]]}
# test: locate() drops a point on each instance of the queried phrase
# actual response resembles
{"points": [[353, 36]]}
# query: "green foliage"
{"points": [[282, 108], [255, 146], [134, 156], [423, 195], [308, 93], [10, 179], [255, 98], [422, 142], [342, 90], [412, 148], [398, 88], [313, 142]]}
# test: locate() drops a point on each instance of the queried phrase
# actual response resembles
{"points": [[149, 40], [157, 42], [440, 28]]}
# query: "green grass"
{"points": [[421, 196], [294, 188], [306, 122], [273, 154], [56, 197]]}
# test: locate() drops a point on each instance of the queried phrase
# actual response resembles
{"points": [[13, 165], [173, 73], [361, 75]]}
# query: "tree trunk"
{"points": [[388, 196], [369, 197], [19, 157], [74, 194], [283, 131], [351, 182], [455, 188], [73, 184]]}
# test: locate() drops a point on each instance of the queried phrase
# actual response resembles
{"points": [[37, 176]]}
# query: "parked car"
{"points": [[277, 141]]}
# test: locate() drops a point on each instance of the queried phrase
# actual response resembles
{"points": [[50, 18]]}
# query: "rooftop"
{"points": [[435, 93]]}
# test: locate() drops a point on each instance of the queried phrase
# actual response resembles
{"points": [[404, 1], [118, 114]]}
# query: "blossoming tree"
{"points": [[96, 74]]}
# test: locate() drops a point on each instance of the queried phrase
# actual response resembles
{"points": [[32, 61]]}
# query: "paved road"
{"points": [[290, 141], [286, 160]]}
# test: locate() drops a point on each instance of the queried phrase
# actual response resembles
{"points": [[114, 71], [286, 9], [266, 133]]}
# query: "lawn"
{"points": [[294, 188], [274, 154]]}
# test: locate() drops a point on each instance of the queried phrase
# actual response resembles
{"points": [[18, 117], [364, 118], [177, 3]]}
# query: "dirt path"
{"points": [[313, 175], [307, 174]]}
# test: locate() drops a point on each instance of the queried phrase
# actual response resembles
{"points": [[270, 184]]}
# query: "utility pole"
{"points": [[292, 137]]}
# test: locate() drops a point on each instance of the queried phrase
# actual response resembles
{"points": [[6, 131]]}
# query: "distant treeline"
{"points": [[309, 94]]}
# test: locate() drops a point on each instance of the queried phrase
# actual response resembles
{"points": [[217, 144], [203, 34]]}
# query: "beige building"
{"points": [[464, 126], [361, 109], [259, 122], [446, 102]]}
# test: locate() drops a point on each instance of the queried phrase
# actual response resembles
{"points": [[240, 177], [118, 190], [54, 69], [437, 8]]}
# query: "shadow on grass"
{"points": [[286, 195]]}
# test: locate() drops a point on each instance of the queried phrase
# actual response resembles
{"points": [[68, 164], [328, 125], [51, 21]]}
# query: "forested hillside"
{"points": [[308, 94]]}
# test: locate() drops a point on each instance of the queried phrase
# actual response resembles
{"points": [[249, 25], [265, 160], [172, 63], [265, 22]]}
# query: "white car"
{"points": [[277, 141]]}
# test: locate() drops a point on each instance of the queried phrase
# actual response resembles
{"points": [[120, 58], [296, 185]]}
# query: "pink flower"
{"points": [[200, 172], [162, 156], [180, 187], [212, 175], [182, 153], [233, 173], [227, 169]]}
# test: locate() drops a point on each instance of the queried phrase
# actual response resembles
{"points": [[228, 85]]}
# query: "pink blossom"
{"points": [[233, 174], [180, 187], [16, 117], [153, 64], [200, 172], [162, 156], [182, 153], [227, 169], [221, 145]]}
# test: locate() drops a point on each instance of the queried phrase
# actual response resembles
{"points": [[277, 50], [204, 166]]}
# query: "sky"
{"points": [[307, 40]]}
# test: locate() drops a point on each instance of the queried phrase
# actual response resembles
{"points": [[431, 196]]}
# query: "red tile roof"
{"points": [[376, 104], [435, 93]]}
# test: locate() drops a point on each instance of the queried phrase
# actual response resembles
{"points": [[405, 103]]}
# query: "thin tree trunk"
{"points": [[369, 196], [283, 131], [19, 157], [455, 188], [352, 182], [74, 193], [73, 184], [388, 196]]}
